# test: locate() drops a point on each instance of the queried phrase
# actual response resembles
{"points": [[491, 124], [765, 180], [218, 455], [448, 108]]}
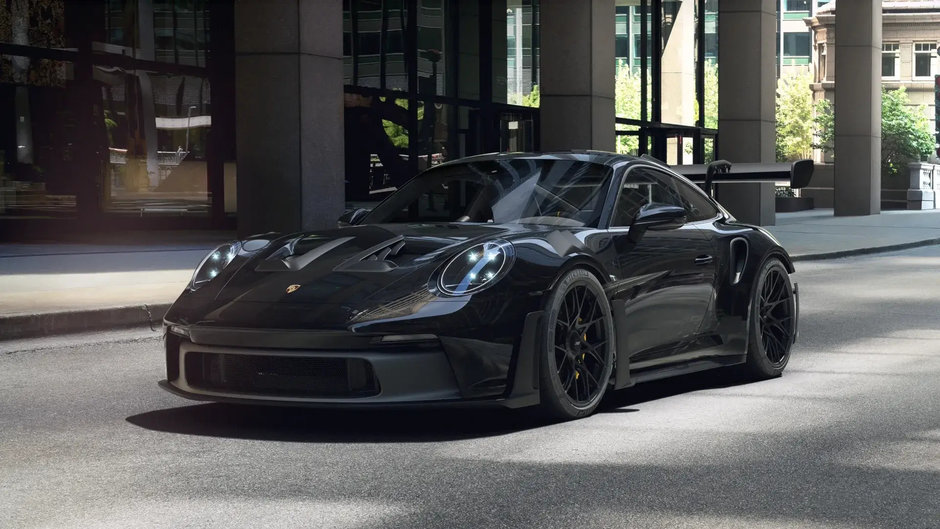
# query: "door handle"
{"points": [[704, 260]]}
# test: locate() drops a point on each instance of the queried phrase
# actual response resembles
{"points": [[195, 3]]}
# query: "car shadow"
{"points": [[620, 401], [308, 425]]}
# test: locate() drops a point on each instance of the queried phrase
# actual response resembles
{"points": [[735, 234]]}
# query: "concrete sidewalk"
{"points": [[59, 288], [55, 288]]}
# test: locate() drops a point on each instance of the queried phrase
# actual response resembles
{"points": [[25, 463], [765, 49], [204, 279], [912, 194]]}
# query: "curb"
{"points": [[36, 325], [865, 251]]}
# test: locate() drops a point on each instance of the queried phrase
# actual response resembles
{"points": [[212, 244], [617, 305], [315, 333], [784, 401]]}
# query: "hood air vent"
{"points": [[289, 258], [375, 259]]}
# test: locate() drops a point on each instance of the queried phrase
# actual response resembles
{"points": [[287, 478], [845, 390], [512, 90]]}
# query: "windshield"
{"points": [[517, 190]]}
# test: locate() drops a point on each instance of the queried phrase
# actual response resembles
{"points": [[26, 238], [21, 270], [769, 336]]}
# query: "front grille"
{"points": [[281, 376]]}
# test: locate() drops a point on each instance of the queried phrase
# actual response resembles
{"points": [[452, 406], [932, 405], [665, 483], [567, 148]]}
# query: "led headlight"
{"points": [[476, 268], [214, 263]]}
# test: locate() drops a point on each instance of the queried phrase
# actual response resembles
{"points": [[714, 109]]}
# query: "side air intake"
{"points": [[739, 254]]}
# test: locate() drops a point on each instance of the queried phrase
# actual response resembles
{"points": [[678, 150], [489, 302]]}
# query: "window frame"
{"points": [[657, 174], [930, 51], [682, 185], [896, 51]]}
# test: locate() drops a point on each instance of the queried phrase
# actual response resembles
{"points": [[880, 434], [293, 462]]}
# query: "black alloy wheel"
{"points": [[773, 321], [578, 346]]}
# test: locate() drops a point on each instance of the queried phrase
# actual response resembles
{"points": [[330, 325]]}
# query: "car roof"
{"points": [[598, 157]]}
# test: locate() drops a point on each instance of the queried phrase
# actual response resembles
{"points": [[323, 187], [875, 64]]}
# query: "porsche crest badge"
{"points": [[293, 288]]}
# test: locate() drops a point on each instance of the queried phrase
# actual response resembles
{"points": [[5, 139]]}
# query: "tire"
{"points": [[577, 349], [772, 322]]}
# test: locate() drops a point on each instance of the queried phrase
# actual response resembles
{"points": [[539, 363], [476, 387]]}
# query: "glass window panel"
{"points": [[157, 132], [377, 145], [889, 59], [922, 65], [887, 66], [796, 44], [39, 23], [679, 62], [797, 5], [517, 83], [374, 36], [641, 187], [40, 138]]}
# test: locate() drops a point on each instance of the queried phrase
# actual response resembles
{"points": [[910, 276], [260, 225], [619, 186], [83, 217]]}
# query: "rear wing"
{"points": [[796, 174]]}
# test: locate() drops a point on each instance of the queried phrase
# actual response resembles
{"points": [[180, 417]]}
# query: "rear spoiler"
{"points": [[796, 175]]}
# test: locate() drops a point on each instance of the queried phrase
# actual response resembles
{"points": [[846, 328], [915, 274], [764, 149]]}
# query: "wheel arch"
{"points": [[783, 256], [579, 261]]}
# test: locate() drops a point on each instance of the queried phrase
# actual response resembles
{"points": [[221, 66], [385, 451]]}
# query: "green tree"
{"points": [[532, 99], [906, 134], [794, 117], [627, 105]]}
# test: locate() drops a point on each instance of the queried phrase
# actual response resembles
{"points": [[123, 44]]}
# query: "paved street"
{"points": [[849, 437]]}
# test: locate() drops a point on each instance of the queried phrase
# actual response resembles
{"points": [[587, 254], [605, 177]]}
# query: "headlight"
{"points": [[214, 263], [476, 268]]}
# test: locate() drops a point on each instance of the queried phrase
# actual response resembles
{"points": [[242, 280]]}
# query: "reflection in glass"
{"points": [[157, 127], [166, 31], [377, 143], [374, 37], [39, 137], [520, 190], [522, 54]]}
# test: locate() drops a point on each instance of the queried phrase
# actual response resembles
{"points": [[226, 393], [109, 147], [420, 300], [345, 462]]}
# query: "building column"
{"points": [[746, 98], [289, 114], [857, 160], [577, 75]]}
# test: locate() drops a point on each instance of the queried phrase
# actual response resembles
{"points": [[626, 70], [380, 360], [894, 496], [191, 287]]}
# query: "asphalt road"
{"points": [[849, 437]]}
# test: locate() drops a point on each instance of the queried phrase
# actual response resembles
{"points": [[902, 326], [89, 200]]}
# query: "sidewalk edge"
{"points": [[865, 251], [49, 323]]}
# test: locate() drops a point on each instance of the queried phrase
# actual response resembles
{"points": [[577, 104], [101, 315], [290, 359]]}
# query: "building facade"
{"points": [[794, 39], [278, 114], [909, 51]]}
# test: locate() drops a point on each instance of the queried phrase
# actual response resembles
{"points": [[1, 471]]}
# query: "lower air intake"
{"points": [[281, 376]]}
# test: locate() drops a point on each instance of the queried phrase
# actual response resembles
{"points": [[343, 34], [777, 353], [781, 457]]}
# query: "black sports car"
{"points": [[509, 279]]}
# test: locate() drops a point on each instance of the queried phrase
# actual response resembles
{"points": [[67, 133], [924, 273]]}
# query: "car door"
{"points": [[665, 277], [703, 214]]}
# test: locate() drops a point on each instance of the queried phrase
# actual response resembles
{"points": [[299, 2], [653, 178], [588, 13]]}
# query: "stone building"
{"points": [[910, 39], [909, 47]]}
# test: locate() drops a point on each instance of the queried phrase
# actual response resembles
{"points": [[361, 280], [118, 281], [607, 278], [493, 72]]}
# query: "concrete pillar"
{"points": [[289, 114], [577, 60], [858, 108], [746, 97]]}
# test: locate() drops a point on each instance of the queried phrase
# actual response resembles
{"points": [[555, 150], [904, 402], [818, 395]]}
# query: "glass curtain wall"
{"points": [[427, 81], [106, 108], [667, 78]]}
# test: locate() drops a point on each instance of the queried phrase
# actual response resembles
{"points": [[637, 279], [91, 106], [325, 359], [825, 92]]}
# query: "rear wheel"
{"points": [[577, 347], [772, 321]]}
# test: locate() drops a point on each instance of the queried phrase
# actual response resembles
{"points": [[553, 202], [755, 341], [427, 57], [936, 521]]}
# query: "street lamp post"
{"points": [[189, 115]]}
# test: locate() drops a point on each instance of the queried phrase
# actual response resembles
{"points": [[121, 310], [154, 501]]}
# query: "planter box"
{"points": [[790, 204]]}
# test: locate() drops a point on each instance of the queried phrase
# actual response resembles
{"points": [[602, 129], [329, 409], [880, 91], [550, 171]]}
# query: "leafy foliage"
{"points": [[794, 117], [532, 99], [627, 104], [906, 134]]}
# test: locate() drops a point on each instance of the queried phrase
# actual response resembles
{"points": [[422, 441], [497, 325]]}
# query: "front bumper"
{"points": [[342, 369]]}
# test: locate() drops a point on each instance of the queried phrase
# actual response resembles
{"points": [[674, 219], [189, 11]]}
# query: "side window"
{"points": [[696, 203], [640, 187]]}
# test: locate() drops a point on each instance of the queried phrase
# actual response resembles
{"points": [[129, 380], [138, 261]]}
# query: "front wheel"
{"points": [[577, 347], [772, 321]]}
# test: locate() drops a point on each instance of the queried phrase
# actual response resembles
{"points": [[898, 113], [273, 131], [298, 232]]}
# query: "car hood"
{"points": [[357, 265]]}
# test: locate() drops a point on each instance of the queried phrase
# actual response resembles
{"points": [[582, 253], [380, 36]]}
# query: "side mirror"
{"points": [[659, 216], [352, 217]]}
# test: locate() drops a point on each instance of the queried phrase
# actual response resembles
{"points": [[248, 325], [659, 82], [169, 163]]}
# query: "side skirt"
{"points": [[685, 368]]}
